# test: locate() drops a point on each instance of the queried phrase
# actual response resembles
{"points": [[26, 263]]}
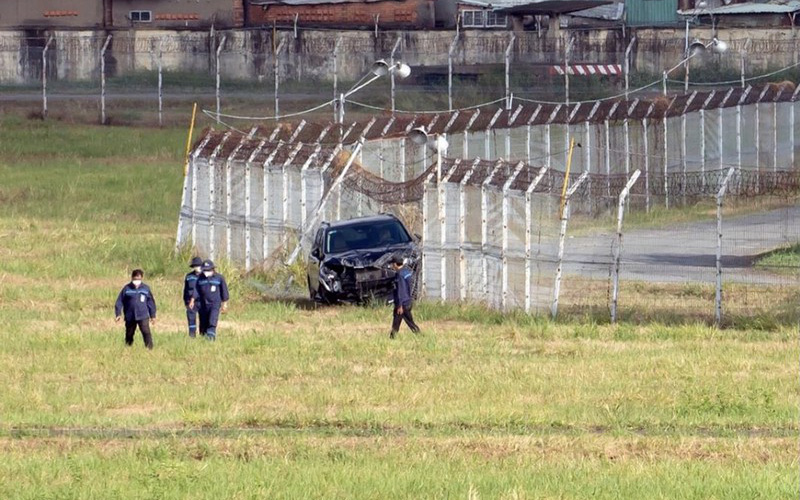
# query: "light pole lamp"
{"points": [[378, 69], [695, 48], [436, 142]]}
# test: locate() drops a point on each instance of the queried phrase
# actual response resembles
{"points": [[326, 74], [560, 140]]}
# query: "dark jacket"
{"points": [[189, 283], [211, 292], [402, 287], [137, 303]]}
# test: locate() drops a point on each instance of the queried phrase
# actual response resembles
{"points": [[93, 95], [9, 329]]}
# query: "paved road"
{"points": [[687, 252]]}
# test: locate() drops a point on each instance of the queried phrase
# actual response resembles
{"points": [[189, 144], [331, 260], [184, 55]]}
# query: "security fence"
{"points": [[268, 73], [510, 234]]}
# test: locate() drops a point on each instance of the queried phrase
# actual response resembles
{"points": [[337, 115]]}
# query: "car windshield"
{"points": [[365, 235]]}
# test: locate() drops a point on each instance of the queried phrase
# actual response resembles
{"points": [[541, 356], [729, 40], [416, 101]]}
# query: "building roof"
{"points": [[536, 7], [611, 12], [776, 7]]}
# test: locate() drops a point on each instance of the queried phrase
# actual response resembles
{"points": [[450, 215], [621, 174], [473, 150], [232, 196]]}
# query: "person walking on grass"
{"points": [[211, 297], [189, 283], [402, 297], [137, 304]]}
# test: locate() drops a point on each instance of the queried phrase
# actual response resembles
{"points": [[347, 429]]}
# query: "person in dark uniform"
{"points": [[402, 297], [189, 283], [138, 305], [211, 296]]}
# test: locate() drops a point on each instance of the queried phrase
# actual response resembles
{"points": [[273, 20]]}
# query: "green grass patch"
{"points": [[296, 400], [784, 261]]}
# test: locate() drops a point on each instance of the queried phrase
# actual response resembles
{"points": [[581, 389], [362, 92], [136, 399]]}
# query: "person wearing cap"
{"points": [[189, 283], [402, 297], [137, 304], [211, 296]]}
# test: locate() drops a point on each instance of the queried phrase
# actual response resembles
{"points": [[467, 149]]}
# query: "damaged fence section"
{"points": [[675, 218]]}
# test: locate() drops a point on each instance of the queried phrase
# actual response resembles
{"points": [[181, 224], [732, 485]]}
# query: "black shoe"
{"points": [[392, 335]]}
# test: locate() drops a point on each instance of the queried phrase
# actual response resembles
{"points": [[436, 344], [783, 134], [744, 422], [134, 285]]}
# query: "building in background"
{"points": [[108, 14], [346, 14]]}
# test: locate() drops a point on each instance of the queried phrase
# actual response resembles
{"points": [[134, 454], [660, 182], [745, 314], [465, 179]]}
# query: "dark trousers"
{"points": [[144, 327], [406, 316], [191, 317], [208, 321]]}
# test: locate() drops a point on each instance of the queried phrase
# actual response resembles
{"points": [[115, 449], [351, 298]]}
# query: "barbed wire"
{"points": [[406, 112], [730, 82], [214, 114]]}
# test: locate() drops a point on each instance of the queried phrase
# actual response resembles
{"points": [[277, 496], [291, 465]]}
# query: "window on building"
{"points": [[472, 19], [141, 16], [494, 20]]}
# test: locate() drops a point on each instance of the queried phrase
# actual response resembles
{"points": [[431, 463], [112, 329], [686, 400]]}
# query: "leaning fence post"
{"points": [[623, 195], [720, 196], [103, 81], [561, 237], [44, 76]]}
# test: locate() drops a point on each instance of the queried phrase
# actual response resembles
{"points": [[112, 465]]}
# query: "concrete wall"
{"points": [[248, 53]]}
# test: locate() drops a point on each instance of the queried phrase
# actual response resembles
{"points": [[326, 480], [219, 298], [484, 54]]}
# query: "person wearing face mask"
{"points": [[189, 283], [211, 296], [138, 305]]}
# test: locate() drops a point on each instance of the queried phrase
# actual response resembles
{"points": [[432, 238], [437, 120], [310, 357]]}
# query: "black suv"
{"points": [[350, 259]]}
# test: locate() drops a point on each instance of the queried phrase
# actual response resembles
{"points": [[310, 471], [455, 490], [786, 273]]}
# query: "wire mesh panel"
{"points": [[784, 135], [760, 279]]}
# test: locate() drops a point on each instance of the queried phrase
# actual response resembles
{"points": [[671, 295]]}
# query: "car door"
{"points": [[314, 260]]}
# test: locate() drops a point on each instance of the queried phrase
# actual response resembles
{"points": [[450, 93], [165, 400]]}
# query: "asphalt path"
{"points": [[687, 252]]}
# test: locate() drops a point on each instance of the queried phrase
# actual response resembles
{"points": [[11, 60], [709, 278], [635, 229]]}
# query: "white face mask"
{"points": [[136, 283], [196, 269], [208, 273]]}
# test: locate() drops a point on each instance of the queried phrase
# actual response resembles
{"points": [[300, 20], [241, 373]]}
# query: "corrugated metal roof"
{"points": [[746, 8], [651, 12], [535, 6], [613, 12]]}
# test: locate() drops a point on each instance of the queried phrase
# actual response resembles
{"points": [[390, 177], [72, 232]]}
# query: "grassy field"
{"points": [[295, 401]]}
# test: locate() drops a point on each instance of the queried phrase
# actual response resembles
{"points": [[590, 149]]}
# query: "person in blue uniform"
{"points": [[402, 297], [189, 283], [138, 306], [211, 296]]}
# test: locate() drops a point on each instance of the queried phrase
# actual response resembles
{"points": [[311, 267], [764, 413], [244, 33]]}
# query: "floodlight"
{"points": [[380, 68], [418, 136]]}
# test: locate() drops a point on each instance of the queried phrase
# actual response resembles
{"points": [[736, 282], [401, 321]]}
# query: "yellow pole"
{"points": [[566, 178], [189, 141]]}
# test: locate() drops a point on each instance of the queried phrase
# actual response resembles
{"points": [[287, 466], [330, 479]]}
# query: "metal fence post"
{"points": [[449, 71], [720, 196], [462, 223], [336, 102], [529, 235], [103, 81], [623, 195], [160, 84], [44, 76], [561, 239], [504, 248], [391, 73], [216, 65], [276, 69]]}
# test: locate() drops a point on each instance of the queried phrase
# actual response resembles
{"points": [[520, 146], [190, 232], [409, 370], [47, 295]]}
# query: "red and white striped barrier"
{"points": [[587, 69]]}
